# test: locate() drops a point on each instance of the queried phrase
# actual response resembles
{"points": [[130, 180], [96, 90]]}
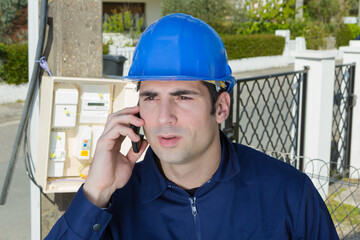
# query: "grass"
{"points": [[342, 213]]}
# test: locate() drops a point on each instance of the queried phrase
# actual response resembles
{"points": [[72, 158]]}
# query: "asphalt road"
{"points": [[15, 214]]}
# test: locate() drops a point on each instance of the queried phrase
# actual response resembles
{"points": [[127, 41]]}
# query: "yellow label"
{"points": [[84, 153]]}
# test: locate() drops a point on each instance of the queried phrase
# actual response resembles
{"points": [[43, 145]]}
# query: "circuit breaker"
{"points": [[84, 142], [57, 154], [65, 106]]}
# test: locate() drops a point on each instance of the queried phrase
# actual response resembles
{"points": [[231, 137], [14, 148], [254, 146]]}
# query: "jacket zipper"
{"points": [[193, 211], [196, 217]]}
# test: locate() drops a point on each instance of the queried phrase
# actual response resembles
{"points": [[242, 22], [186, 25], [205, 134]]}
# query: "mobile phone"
{"points": [[137, 145]]}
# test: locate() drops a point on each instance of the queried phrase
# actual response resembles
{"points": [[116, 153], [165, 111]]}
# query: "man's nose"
{"points": [[166, 112]]}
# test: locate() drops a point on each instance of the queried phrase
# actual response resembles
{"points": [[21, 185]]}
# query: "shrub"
{"points": [[122, 22], [245, 46], [355, 30], [343, 36], [315, 35], [297, 28], [14, 63], [106, 46], [267, 16]]}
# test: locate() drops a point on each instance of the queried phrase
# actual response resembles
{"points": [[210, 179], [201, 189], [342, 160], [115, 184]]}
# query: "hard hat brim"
{"points": [[230, 80]]}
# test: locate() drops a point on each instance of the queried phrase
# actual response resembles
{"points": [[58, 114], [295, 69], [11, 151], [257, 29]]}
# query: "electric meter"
{"points": [[95, 103]]}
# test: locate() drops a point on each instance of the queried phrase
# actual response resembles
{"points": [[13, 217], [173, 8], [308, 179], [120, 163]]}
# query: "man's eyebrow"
{"points": [[184, 92], [174, 93], [148, 94]]}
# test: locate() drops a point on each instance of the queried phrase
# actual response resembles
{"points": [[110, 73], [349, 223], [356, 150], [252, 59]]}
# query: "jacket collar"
{"points": [[153, 183]]}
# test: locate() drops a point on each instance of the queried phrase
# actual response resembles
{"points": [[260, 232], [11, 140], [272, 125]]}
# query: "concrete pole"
{"points": [[33, 34], [76, 52], [352, 54], [318, 114]]}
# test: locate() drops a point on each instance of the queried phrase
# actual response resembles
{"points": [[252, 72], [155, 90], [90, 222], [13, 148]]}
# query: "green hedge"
{"points": [[14, 63], [346, 33], [246, 46]]}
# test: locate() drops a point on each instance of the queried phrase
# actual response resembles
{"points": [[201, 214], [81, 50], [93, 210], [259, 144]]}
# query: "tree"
{"points": [[327, 11], [213, 12], [266, 17], [13, 21]]}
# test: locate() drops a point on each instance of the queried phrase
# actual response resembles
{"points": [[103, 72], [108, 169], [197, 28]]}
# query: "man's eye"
{"points": [[184, 98], [149, 98]]}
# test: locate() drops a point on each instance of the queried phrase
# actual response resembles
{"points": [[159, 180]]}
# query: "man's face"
{"points": [[178, 124]]}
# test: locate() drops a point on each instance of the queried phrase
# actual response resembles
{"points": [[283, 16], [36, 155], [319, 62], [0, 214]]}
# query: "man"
{"points": [[193, 183]]}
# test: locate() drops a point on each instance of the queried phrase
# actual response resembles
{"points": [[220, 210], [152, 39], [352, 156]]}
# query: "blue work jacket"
{"points": [[251, 196]]}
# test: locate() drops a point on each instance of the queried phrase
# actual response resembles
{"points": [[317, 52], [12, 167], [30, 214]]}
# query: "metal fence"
{"points": [[342, 119], [268, 111], [342, 196]]}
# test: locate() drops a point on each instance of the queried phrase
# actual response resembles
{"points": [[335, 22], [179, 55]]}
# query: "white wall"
{"points": [[12, 93]]}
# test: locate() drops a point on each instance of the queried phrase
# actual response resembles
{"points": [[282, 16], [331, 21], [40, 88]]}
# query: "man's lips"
{"points": [[168, 140]]}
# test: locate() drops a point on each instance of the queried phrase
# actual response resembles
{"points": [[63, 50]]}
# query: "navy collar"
{"points": [[153, 183]]}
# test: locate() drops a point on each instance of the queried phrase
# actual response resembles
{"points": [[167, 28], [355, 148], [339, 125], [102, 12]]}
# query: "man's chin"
{"points": [[170, 155]]}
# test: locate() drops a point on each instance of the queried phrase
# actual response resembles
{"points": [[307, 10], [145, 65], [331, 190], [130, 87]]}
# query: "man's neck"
{"points": [[196, 172]]}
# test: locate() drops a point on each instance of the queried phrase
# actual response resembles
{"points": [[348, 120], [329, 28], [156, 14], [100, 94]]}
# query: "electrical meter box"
{"points": [[95, 103], [73, 113]]}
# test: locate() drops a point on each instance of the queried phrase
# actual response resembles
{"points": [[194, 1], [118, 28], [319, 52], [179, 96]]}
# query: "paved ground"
{"points": [[263, 72], [15, 214]]}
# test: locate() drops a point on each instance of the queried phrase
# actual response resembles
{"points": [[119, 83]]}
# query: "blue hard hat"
{"points": [[181, 47]]}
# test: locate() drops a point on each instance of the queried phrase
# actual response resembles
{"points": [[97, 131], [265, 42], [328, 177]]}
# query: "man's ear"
{"points": [[222, 107]]}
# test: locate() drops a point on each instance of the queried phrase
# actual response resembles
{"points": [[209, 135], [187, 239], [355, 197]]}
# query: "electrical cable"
{"points": [[29, 102], [29, 163]]}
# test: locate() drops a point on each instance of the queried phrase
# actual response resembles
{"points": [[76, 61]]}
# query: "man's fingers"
{"points": [[125, 111], [118, 132], [132, 156], [125, 120]]}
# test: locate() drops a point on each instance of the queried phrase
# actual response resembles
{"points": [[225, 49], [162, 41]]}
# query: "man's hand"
{"points": [[110, 169]]}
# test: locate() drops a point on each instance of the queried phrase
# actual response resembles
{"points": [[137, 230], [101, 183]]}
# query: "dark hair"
{"points": [[214, 95]]}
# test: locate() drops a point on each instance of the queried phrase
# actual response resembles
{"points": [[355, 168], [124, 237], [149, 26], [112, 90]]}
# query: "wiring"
{"points": [[81, 168], [29, 103]]}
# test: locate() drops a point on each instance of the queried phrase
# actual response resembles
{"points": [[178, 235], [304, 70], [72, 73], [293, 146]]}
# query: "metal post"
{"points": [[351, 102], [302, 118], [351, 54]]}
